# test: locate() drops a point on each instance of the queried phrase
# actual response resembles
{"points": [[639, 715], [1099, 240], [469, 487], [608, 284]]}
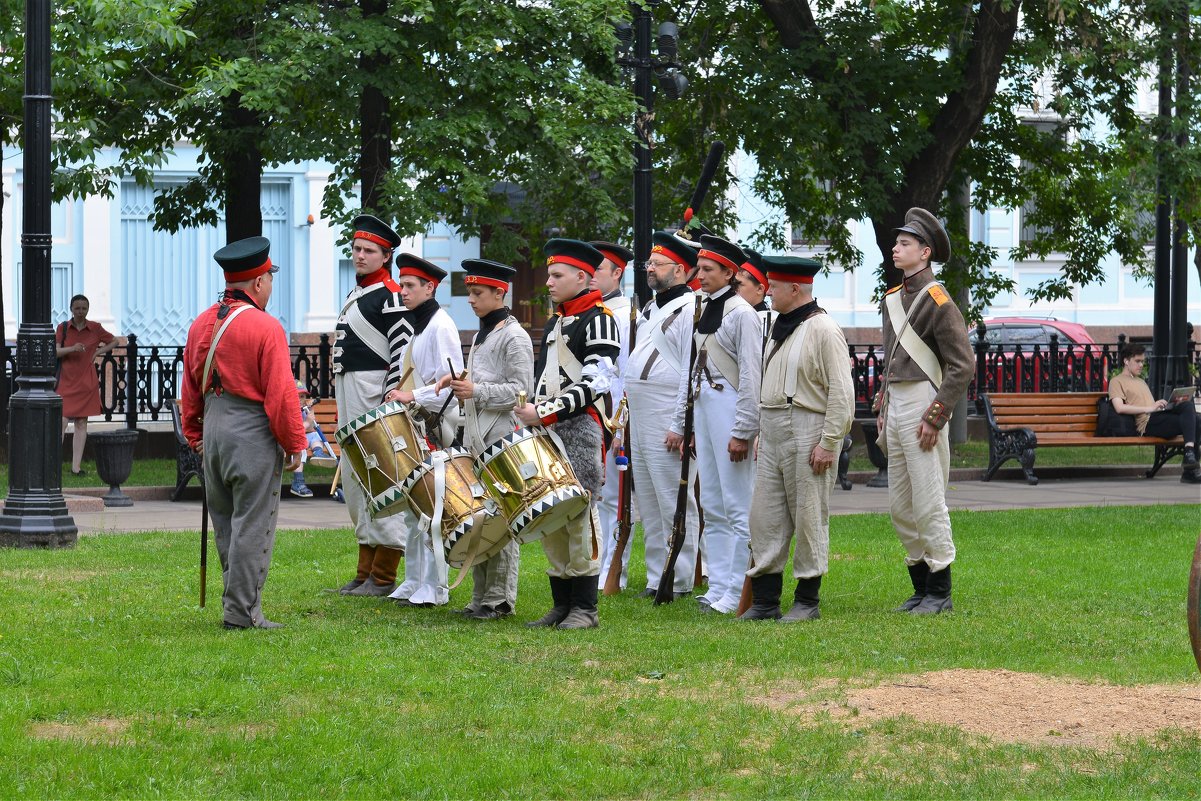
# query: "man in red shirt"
{"points": [[239, 412]]}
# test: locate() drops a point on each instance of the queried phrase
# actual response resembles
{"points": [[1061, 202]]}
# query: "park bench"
{"points": [[325, 412], [187, 462], [1021, 422]]}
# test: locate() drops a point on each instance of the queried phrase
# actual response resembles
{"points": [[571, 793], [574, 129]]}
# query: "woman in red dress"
{"points": [[78, 342]]}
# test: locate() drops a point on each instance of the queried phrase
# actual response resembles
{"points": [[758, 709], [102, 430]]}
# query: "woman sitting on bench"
{"points": [[1130, 394]]}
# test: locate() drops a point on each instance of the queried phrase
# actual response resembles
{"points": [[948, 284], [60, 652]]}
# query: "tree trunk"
{"points": [[242, 166], [375, 131]]}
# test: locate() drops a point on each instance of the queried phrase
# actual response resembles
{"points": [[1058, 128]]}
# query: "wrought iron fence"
{"points": [[137, 381], [1011, 368]]}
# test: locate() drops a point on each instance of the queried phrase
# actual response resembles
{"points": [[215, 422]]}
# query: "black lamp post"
{"points": [[35, 514], [634, 54]]}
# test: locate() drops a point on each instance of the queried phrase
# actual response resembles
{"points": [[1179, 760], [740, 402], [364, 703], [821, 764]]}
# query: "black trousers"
{"points": [[1180, 419]]}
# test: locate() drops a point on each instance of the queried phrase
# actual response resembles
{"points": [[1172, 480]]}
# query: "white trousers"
{"points": [[607, 510], [917, 479], [726, 489], [357, 393], [657, 483], [425, 580]]}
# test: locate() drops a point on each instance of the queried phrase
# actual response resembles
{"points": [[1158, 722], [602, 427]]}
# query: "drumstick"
{"points": [[442, 411], [403, 379], [333, 487]]}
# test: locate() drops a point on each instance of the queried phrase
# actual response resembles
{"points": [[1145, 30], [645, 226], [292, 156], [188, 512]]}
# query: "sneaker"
{"points": [[301, 491]]}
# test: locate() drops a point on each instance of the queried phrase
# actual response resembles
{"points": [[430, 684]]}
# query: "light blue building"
{"points": [[153, 283]]}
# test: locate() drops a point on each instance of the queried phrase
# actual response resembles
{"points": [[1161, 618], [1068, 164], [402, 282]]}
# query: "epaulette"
{"points": [[391, 284], [894, 289], [939, 294]]}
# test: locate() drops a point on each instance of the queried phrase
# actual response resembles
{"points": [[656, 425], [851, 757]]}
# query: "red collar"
{"points": [[383, 274], [578, 305]]}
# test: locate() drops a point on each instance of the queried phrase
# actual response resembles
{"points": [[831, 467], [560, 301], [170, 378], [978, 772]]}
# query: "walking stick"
{"points": [[204, 545]]}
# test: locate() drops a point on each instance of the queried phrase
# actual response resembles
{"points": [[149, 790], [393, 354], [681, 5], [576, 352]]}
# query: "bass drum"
{"points": [[532, 482], [382, 447]]}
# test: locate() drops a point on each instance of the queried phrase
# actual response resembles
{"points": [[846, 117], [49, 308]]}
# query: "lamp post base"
{"points": [[37, 520]]}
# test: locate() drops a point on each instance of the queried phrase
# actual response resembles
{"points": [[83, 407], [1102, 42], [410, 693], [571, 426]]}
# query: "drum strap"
{"points": [[472, 556], [439, 459]]}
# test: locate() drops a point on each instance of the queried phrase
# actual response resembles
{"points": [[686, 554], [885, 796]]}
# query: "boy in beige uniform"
{"points": [[807, 404], [928, 365]]}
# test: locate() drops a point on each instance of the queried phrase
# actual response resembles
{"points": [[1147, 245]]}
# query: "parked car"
{"points": [[1079, 354], [1031, 331]]}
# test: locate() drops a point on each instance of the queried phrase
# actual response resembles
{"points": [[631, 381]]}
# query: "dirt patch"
{"points": [[1013, 707], [98, 731]]}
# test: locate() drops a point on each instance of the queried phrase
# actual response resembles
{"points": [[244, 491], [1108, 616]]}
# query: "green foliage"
{"points": [[117, 685], [876, 106]]}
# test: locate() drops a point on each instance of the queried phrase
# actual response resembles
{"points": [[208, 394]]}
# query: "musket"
{"points": [[712, 160], [625, 506], [665, 593], [747, 597]]}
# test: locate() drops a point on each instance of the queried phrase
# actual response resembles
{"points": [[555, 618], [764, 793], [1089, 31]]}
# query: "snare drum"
{"points": [[532, 482], [382, 447], [471, 527]]}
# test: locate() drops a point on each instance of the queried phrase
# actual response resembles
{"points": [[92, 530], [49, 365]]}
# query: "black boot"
{"points": [[560, 592], [938, 594], [805, 601], [583, 604], [765, 597], [917, 574]]}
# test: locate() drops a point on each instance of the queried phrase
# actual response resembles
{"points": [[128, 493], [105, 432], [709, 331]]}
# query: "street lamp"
{"points": [[634, 55], [35, 514]]}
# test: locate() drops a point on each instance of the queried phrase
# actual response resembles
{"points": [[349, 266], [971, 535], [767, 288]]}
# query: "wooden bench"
{"points": [[325, 412], [1020, 422]]}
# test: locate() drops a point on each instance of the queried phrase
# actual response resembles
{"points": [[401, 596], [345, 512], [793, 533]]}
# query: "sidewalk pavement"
{"points": [[154, 513]]}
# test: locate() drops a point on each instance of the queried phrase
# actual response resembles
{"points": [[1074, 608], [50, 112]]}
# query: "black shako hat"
{"points": [[487, 273], [373, 229], [416, 266], [666, 243], [573, 252], [245, 259], [792, 269], [926, 227], [727, 254], [615, 253], [754, 266]]}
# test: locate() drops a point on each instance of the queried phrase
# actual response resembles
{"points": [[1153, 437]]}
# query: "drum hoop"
{"points": [[370, 416]]}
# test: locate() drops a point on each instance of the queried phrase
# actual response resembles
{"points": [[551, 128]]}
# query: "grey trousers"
{"points": [[790, 501], [495, 579], [242, 465]]}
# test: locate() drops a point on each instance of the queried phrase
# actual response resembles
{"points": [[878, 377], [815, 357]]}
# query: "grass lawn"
{"points": [[114, 683]]}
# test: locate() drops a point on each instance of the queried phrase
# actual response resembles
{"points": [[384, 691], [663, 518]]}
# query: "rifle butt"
{"points": [[613, 577], [745, 599]]}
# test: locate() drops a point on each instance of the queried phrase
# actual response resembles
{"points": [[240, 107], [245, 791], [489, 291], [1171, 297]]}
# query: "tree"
{"points": [[862, 110]]}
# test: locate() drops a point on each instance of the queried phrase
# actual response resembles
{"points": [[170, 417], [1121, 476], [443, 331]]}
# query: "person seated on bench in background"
{"points": [[1130, 394], [317, 449]]}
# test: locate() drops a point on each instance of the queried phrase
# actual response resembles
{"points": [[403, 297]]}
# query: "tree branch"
{"points": [[793, 19]]}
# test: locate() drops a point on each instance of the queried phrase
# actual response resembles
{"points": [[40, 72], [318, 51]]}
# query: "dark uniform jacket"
{"points": [[591, 335], [378, 307]]}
